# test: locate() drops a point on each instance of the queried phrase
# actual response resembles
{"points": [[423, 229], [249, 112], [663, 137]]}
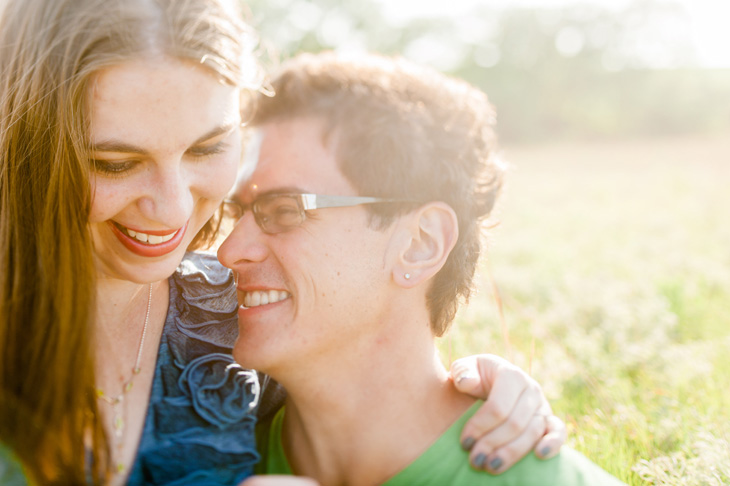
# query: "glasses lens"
{"points": [[276, 214], [232, 210]]}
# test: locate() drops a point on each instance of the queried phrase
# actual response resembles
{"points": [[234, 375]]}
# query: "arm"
{"points": [[515, 418]]}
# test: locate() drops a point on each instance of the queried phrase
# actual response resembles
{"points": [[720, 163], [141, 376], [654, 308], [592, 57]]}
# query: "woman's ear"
{"points": [[431, 233]]}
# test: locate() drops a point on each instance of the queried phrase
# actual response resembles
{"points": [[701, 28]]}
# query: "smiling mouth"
{"points": [[257, 298], [145, 237]]}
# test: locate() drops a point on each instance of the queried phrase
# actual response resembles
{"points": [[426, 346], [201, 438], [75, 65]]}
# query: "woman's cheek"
{"points": [[108, 198], [221, 176]]}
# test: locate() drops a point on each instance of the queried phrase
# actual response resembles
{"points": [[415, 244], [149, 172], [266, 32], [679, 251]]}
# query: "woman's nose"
{"points": [[169, 198]]}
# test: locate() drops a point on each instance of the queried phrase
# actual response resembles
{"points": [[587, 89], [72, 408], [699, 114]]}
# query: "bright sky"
{"points": [[709, 18]]}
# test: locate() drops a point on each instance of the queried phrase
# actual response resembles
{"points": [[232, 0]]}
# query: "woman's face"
{"points": [[166, 143]]}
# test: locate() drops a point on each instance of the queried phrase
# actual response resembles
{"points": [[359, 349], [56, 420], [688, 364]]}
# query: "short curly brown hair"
{"points": [[402, 131]]}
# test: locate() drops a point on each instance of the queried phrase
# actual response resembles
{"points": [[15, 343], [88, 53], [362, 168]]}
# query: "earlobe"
{"points": [[431, 233]]}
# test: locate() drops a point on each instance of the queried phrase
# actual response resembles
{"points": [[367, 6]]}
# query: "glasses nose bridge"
{"points": [[248, 222], [246, 242], [255, 210]]}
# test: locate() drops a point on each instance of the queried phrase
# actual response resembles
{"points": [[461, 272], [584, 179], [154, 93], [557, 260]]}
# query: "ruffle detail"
{"points": [[220, 391], [206, 304], [206, 284], [200, 426]]}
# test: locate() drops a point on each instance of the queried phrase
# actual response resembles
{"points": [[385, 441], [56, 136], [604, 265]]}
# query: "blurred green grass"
{"points": [[612, 263]]}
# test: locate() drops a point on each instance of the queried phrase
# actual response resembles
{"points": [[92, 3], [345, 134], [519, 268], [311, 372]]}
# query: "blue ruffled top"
{"points": [[199, 428]]}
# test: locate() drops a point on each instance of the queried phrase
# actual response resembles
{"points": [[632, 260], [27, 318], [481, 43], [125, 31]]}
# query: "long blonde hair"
{"points": [[49, 51]]}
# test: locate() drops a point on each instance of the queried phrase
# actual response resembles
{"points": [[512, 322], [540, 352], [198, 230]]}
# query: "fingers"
{"points": [[549, 432], [278, 481], [553, 440], [510, 386], [514, 438], [505, 456], [475, 375], [515, 418], [526, 407]]}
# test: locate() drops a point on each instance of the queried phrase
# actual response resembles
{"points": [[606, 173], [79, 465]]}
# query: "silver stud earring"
{"points": [[407, 276]]}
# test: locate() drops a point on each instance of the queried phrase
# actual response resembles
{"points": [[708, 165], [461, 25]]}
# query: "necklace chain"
{"points": [[117, 401]]}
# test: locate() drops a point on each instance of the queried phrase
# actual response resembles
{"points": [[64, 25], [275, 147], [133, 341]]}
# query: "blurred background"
{"points": [[608, 275], [555, 69]]}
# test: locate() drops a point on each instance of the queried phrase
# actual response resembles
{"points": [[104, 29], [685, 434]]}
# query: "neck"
{"points": [[389, 390], [121, 306], [121, 311], [115, 297], [119, 324]]}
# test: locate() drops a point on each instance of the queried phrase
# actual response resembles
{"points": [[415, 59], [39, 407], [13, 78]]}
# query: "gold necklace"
{"points": [[117, 402]]}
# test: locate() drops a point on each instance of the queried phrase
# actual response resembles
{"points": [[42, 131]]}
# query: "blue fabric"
{"points": [[11, 472], [199, 428]]}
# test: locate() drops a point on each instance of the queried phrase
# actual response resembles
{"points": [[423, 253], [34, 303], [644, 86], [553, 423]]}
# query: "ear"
{"points": [[430, 234]]}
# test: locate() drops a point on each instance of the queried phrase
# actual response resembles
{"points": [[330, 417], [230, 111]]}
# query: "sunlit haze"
{"points": [[706, 20]]}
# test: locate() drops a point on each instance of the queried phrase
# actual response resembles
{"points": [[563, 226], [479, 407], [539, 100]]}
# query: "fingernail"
{"points": [[495, 464], [468, 443], [465, 376], [545, 451], [479, 461]]}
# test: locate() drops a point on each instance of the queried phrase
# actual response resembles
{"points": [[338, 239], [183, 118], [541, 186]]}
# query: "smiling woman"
{"points": [[156, 182], [119, 138]]}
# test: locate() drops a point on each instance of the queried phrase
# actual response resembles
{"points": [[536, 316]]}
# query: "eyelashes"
{"points": [[119, 168], [214, 149], [113, 169]]}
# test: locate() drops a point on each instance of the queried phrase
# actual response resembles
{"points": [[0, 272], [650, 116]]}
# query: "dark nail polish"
{"points": [[495, 464], [545, 451], [479, 461], [468, 443]]}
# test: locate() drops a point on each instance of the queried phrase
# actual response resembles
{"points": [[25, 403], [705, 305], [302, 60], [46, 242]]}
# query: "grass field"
{"points": [[612, 265]]}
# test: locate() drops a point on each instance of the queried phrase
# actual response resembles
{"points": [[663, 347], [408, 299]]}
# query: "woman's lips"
{"points": [[157, 247]]}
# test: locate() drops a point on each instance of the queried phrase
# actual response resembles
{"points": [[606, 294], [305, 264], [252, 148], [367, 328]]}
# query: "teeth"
{"points": [[151, 239], [253, 299], [262, 297]]}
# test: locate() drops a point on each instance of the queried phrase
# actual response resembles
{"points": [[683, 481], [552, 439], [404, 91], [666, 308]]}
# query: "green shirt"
{"points": [[445, 463]]}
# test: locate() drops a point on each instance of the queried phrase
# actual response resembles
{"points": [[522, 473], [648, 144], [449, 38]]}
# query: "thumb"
{"points": [[475, 375]]}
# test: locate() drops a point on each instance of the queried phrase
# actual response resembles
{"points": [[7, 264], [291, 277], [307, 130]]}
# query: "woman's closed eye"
{"points": [[116, 168], [209, 150], [120, 168]]}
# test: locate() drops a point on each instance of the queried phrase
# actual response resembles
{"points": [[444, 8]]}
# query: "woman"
{"points": [[119, 139]]}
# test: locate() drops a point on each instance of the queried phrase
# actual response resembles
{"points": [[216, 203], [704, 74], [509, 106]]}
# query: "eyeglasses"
{"points": [[277, 213]]}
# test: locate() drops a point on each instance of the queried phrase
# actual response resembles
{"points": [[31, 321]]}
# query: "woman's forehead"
{"points": [[161, 103]]}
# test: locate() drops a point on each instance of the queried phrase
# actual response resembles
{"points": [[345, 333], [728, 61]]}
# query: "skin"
{"points": [[170, 169], [521, 407], [344, 311], [314, 276], [313, 267]]}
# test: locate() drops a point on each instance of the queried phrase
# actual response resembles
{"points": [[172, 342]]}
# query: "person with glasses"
{"points": [[119, 138], [357, 235]]}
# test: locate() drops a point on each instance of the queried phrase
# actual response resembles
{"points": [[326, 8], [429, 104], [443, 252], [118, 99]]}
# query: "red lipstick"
{"points": [[146, 249]]}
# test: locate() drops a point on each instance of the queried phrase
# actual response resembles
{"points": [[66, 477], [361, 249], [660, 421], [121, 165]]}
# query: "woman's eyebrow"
{"points": [[117, 146], [124, 147], [229, 127]]}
